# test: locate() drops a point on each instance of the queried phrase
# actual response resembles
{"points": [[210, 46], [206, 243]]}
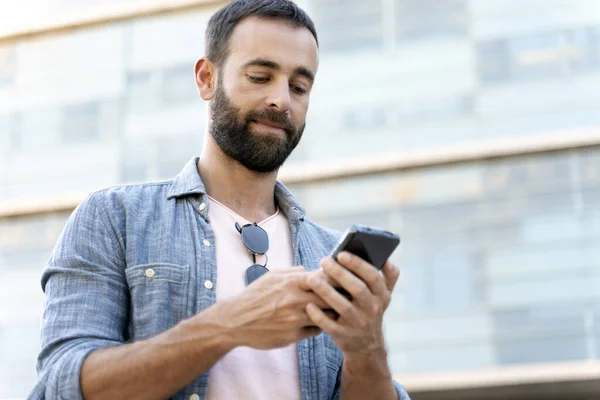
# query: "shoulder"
{"points": [[124, 197], [321, 235], [123, 206]]}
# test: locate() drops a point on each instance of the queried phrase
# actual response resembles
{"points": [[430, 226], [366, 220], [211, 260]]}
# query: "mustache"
{"points": [[276, 117]]}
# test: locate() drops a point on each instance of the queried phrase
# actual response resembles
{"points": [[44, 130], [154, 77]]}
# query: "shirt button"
{"points": [[194, 397], [202, 206], [149, 273], [206, 243], [208, 284]]}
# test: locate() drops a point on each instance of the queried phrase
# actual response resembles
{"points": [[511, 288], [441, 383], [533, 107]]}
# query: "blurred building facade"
{"points": [[500, 258]]}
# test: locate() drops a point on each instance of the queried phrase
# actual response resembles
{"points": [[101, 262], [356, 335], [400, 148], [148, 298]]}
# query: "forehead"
{"points": [[274, 40]]}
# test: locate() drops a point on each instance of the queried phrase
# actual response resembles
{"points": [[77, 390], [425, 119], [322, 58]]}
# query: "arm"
{"points": [[369, 377], [158, 367], [358, 331]]}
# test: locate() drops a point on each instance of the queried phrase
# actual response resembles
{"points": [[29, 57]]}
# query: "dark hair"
{"points": [[223, 22]]}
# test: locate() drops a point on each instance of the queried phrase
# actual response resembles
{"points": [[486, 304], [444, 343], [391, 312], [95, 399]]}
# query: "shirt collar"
{"points": [[188, 182]]}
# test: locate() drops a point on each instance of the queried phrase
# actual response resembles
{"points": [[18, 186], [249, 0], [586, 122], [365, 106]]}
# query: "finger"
{"points": [[290, 270], [336, 301], [311, 297], [349, 281], [304, 281], [391, 273], [365, 271], [319, 318], [305, 294]]}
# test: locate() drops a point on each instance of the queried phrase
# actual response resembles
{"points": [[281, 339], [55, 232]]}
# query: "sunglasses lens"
{"points": [[255, 238], [254, 272]]}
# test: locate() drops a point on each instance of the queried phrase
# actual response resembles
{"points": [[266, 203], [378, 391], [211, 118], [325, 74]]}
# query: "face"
{"points": [[260, 102]]}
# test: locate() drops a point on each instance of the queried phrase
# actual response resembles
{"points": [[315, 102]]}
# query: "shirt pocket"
{"points": [[158, 297]]}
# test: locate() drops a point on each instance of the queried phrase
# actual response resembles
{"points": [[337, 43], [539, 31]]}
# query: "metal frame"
{"points": [[562, 380]]}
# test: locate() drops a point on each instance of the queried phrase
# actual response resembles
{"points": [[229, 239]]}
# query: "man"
{"points": [[155, 290]]}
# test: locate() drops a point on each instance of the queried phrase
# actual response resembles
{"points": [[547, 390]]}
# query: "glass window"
{"points": [[4, 135], [174, 152], [7, 65], [32, 234], [589, 166], [348, 25], [545, 173], [161, 157], [537, 56], [35, 129], [452, 281], [547, 321], [367, 118], [428, 357], [81, 66], [178, 86], [590, 199], [584, 46], [540, 350], [426, 18], [553, 54], [168, 40], [80, 123], [543, 290], [19, 345], [134, 163], [142, 91], [493, 61]]}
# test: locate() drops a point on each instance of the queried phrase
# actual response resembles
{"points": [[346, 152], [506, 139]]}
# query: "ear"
{"points": [[206, 78]]}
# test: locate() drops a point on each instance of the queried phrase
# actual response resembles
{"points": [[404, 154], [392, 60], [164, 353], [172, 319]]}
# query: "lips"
{"points": [[269, 123], [271, 127]]}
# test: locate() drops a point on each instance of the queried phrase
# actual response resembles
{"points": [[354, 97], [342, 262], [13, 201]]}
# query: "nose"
{"points": [[279, 97]]}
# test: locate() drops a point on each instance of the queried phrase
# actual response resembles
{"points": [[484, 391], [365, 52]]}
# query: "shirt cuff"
{"points": [[402, 393], [62, 380]]}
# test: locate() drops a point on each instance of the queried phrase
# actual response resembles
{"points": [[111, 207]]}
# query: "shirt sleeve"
{"points": [[86, 302]]}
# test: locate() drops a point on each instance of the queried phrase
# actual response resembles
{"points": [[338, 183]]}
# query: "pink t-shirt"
{"points": [[246, 373]]}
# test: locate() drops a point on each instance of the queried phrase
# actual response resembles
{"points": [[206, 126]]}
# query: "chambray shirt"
{"points": [[135, 260]]}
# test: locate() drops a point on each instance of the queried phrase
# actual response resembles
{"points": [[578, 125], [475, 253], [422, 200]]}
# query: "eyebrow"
{"points": [[261, 62]]}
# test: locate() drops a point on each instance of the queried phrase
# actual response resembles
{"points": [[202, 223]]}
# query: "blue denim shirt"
{"points": [[98, 294]]}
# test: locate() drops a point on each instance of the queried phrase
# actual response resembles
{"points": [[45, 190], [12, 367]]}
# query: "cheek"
{"points": [[299, 112]]}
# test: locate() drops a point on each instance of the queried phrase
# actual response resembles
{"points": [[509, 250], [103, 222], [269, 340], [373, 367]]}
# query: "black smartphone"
{"points": [[372, 245]]}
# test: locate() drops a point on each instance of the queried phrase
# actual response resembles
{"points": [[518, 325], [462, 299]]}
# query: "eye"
{"points": [[258, 79], [298, 89]]}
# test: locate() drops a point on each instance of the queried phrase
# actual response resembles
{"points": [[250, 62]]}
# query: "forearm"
{"points": [[158, 367], [367, 377]]}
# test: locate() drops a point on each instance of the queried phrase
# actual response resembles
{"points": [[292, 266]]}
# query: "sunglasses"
{"points": [[256, 241]]}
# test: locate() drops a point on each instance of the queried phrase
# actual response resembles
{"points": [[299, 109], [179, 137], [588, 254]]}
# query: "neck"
{"points": [[248, 193]]}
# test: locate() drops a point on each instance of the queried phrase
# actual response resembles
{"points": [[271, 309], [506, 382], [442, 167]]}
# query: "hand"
{"points": [[271, 312], [358, 330]]}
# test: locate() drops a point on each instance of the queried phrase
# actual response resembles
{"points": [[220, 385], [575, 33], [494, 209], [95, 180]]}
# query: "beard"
{"points": [[259, 152]]}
